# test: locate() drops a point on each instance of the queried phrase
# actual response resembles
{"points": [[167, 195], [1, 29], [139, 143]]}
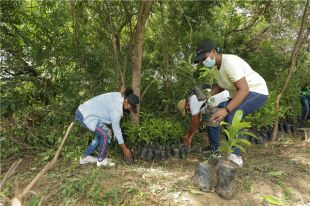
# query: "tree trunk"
{"points": [[115, 40], [165, 55], [144, 11], [299, 41], [74, 24]]}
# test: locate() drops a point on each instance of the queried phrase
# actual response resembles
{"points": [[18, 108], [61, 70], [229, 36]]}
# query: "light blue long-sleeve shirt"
{"points": [[106, 108]]}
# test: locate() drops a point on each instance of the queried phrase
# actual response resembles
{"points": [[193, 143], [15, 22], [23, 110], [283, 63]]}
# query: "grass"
{"points": [[146, 183]]}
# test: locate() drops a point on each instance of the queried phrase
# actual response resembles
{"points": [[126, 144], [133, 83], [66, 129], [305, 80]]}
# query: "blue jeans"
{"points": [[250, 104], [101, 141], [305, 105]]}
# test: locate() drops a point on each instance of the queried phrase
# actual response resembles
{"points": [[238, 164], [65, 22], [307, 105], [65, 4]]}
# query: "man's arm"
{"points": [[194, 125], [242, 91], [216, 89], [192, 129], [119, 136]]}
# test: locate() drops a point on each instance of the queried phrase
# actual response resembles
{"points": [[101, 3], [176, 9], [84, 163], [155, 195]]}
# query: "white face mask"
{"points": [[208, 62]]}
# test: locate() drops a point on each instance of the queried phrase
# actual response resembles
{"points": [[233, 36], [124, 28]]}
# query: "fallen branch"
{"points": [[17, 200], [153, 200], [109, 154], [23, 144], [10, 172], [123, 198]]}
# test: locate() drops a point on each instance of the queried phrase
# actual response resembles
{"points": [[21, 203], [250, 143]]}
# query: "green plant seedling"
{"points": [[234, 131]]}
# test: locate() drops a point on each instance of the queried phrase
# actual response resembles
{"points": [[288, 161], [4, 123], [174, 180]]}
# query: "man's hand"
{"points": [[219, 115], [127, 154], [126, 151], [187, 140]]}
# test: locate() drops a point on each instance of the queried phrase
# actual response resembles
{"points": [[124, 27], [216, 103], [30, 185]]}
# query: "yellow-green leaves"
{"points": [[234, 131], [272, 200], [276, 173]]}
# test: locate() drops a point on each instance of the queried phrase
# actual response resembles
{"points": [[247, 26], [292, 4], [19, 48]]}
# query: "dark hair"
{"points": [[127, 92]]}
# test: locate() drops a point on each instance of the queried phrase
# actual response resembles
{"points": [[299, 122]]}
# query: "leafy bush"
{"points": [[265, 115], [153, 130]]}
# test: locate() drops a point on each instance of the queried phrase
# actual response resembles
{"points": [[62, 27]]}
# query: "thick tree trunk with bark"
{"points": [[144, 12], [302, 36]]}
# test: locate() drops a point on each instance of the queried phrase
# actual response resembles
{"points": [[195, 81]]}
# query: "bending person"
{"points": [[247, 89], [196, 107], [96, 113]]}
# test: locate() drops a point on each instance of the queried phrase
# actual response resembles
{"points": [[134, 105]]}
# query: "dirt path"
{"points": [[171, 182]]}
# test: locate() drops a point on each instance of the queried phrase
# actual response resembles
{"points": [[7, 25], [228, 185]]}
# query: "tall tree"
{"points": [[302, 37], [144, 12]]}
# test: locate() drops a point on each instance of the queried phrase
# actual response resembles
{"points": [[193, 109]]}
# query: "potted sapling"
{"points": [[146, 141], [226, 170], [175, 151], [157, 153], [163, 141], [203, 175]]}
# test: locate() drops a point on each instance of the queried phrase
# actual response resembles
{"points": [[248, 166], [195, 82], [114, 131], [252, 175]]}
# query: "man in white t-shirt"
{"points": [[195, 107], [247, 89]]}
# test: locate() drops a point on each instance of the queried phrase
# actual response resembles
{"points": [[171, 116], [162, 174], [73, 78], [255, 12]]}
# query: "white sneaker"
{"points": [[236, 159], [106, 163], [88, 159]]}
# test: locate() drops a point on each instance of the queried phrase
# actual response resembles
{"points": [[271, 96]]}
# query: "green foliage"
{"points": [[92, 189], [265, 115], [153, 130], [233, 132], [34, 201], [208, 75], [55, 55]]}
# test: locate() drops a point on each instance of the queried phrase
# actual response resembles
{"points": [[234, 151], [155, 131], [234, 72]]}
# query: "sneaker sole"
{"points": [[86, 162], [105, 165]]}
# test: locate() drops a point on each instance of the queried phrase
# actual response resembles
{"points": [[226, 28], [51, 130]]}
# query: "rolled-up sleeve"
{"points": [[116, 118]]}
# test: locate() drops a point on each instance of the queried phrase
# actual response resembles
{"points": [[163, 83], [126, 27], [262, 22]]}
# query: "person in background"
{"points": [[95, 114], [195, 107], [247, 89], [305, 104]]}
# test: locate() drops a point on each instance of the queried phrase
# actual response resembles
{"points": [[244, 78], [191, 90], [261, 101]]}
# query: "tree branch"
{"points": [[292, 62], [9, 172], [18, 198], [147, 87], [253, 20]]}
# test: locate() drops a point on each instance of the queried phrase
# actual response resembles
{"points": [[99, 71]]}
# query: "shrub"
{"points": [[153, 130]]}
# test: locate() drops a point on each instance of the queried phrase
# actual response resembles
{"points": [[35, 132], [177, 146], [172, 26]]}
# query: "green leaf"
{"points": [[237, 118], [245, 142], [242, 125], [276, 173], [240, 147], [249, 134], [196, 192], [224, 123], [272, 200], [227, 133]]}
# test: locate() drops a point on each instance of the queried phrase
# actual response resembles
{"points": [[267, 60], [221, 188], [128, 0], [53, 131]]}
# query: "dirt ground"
{"points": [[169, 182]]}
